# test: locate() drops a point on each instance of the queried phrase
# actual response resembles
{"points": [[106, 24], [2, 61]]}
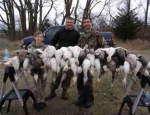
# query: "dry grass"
{"points": [[2, 35], [107, 100], [134, 45], [11, 46]]}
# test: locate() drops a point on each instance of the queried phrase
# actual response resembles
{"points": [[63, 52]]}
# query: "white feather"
{"points": [[36, 77], [91, 57], [26, 63], [86, 66], [54, 64], [98, 69], [110, 51], [15, 62], [58, 55]]}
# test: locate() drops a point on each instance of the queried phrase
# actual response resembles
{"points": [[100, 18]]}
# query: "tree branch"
{"points": [[105, 4], [95, 4], [3, 20], [17, 6], [49, 10], [75, 11], [109, 11], [72, 10], [2, 8]]}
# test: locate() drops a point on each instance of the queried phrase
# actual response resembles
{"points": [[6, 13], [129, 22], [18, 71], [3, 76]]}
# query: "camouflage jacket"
{"points": [[33, 53], [93, 39], [33, 47]]}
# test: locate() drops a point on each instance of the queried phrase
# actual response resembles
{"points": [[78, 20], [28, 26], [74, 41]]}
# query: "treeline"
{"points": [[126, 24]]}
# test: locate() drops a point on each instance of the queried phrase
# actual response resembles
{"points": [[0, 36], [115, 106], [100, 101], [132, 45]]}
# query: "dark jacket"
{"points": [[65, 38]]}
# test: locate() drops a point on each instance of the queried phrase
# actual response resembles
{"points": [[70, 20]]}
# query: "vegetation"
{"points": [[26, 16], [126, 24], [107, 99]]}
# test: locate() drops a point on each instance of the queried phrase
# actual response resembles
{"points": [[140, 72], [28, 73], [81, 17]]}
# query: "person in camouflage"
{"points": [[36, 62], [94, 40]]}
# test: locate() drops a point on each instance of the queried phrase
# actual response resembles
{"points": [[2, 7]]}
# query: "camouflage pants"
{"points": [[65, 83], [39, 89], [40, 85]]}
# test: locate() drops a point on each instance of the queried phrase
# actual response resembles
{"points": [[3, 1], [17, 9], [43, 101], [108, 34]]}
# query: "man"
{"points": [[94, 40], [64, 38]]}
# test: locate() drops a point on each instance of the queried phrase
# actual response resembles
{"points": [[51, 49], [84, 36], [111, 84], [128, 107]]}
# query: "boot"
{"points": [[51, 95], [65, 95], [80, 101], [89, 98]]}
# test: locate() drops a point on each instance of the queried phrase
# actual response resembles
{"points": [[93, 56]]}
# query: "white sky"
{"points": [[60, 7], [134, 4]]}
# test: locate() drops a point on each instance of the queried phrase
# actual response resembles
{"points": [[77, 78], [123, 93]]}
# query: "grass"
{"points": [[107, 99], [134, 45]]}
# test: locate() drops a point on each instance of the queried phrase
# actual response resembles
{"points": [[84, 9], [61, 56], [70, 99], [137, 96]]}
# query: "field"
{"points": [[107, 99]]}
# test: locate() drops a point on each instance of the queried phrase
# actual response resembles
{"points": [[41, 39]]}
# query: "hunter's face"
{"points": [[39, 38], [69, 24], [87, 24]]}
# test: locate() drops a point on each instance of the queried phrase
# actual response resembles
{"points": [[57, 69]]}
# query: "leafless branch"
{"points": [[49, 10], [56, 16], [75, 11], [109, 11], [17, 6], [72, 10], [95, 5], [2, 20], [2, 8], [105, 4]]}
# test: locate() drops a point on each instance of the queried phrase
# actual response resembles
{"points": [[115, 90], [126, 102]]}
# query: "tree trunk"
{"points": [[86, 11], [30, 18], [23, 24], [146, 14], [12, 18], [40, 17], [35, 15], [75, 11], [68, 4]]}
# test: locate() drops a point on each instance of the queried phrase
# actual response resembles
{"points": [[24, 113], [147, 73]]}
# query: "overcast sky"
{"points": [[60, 7], [134, 4]]}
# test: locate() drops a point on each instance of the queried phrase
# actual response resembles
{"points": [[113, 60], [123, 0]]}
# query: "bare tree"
{"points": [[146, 13], [68, 4], [107, 4], [45, 3], [87, 11], [32, 9], [56, 16], [50, 8], [10, 18], [90, 4], [40, 15], [75, 11], [22, 13]]}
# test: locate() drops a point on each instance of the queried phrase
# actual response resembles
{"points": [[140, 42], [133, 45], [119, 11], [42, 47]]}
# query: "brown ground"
{"points": [[107, 100]]}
